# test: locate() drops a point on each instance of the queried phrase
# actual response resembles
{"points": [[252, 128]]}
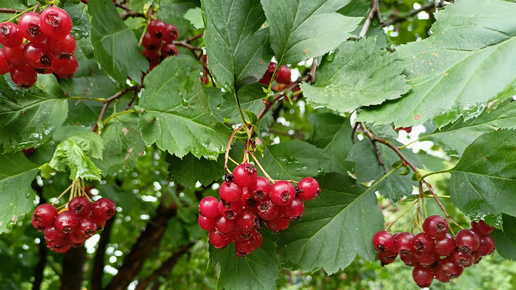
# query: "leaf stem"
{"points": [[263, 170], [119, 114], [102, 100], [435, 172], [226, 156], [62, 193], [108, 102]]}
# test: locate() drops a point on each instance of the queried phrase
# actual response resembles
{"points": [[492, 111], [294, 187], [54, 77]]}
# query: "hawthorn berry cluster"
{"points": [[282, 76], [246, 202], [49, 47], [158, 42], [435, 253], [73, 226]]}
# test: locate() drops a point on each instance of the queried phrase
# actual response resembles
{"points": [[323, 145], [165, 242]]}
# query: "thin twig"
{"points": [[402, 17], [112, 99], [11, 11], [374, 11]]}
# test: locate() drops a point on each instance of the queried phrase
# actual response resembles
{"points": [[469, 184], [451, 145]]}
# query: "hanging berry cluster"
{"points": [[246, 202], [434, 253], [282, 76], [158, 42], [73, 225], [49, 48]]}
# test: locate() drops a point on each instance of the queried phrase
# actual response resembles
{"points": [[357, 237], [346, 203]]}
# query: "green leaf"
{"points": [[335, 227], [258, 270], [332, 133], [238, 50], [484, 180], [114, 43], [79, 15], [123, 144], [367, 169], [299, 29], [467, 61], [357, 75], [16, 176], [195, 17], [177, 113], [454, 138], [250, 98], [88, 141], [506, 240], [190, 169], [28, 117], [294, 160]]}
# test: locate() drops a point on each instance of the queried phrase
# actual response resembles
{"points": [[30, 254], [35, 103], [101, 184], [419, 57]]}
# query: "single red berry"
{"points": [[246, 247], [283, 193], [427, 259], [55, 22], [283, 74], [267, 210], [205, 80], [435, 226], [295, 210], [280, 223], [444, 246], [65, 68], [462, 259], [422, 276], [409, 259], [53, 235], [450, 269], [441, 275], [387, 257], [245, 175], [15, 56], [224, 225], [152, 56], [423, 243], [36, 226], [261, 189], [4, 66], [230, 191], [207, 224], [384, 241], [29, 25], [404, 242], [104, 208], [247, 200], [24, 76], [36, 55], [467, 240], [150, 42], [10, 35], [168, 49], [309, 188], [157, 28], [101, 223], [209, 207], [481, 228], [171, 33], [247, 221], [487, 246], [86, 228], [76, 239], [219, 240], [67, 221], [272, 67], [45, 215], [62, 47], [61, 246], [230, 210], [81, 206], [266, 79]]}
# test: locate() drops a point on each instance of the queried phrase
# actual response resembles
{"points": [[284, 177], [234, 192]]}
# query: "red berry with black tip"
{"points": [[219, 240], [423, 276], [55, 22], [487, 246], [435, 226], [65, 68], [104, 208], [427, 259], [207, 224], [267, 210], [150, 42], [295, 210], [67, 222], [29, 25], [467, 240], [81, 206], [283, 193], [36, 55], [404, 242], [387, 257], [168, 49], [15, 56], [171, 33], [247, 221], [53, 235], [230, 191], [462, 259], [245, 175], [86, 228], [384, 241], [444, 246], [423, 243], [309, 188], [10, 35], [24, 76], [62, 47], [230, 210], [261, 189], [157, 28], [45, 215]]}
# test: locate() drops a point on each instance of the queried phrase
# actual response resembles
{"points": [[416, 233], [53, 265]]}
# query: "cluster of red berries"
{"points": [[49, 49], [423, 251], [158, 42], [282, 76], [246, 202], [72, 227]]}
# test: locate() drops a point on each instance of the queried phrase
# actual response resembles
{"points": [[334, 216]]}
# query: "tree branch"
{"points": [[402, 17], [73, 264], [374, 11], [12, 11], [98, 263], [40, 267], [108, 102]]}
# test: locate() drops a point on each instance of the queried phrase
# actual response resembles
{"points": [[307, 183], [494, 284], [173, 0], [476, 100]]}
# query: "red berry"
{"points": [[168, 49], [384, 241], [266, 79], [272, 67], [230, 191], [404, 242], [230, 210], [283, 74], [278, 224], [15, 56], [36, 226], [282, 193], [157, 28], [427, 259], [171, 33], [61, 246], [99, 222], [444, 246], [246, 247], [10, 35], [209, 207], [247, 221], [450, 269], [29, 25], [245, 175], [295, 210], [65, 68], [387, 257], [409, 259], [219, 240], [207, 224], [45, 215], [152, 56], [205, 80], [462, 259], [247, 200], [267, 210], [104, 208], [67, 221], [487, 246], [309, 188], [53, 235], [224, 225], [423, 243], [62, 47], [423, 276], [261, 189], [36, 55], [4, 66], [481, 228], [55, 22], [467, 240], [86, 228], [24, 76], [80, 205], [435, 226], [150, 42], [76, 239]]}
